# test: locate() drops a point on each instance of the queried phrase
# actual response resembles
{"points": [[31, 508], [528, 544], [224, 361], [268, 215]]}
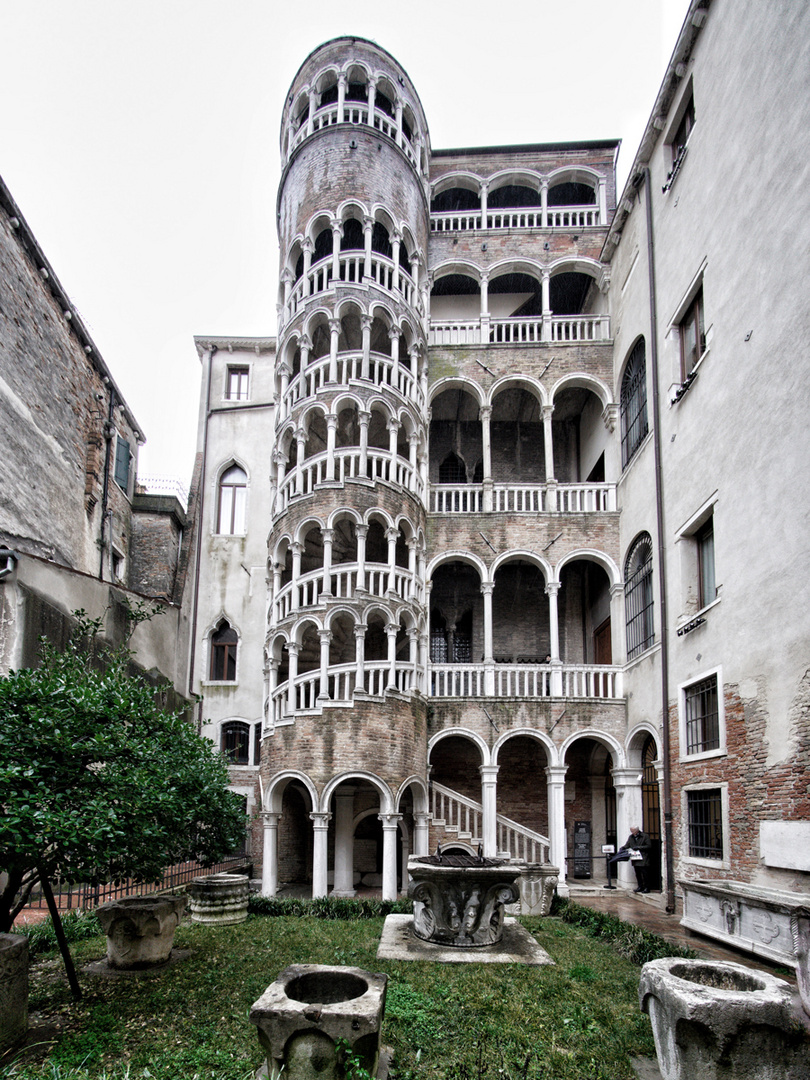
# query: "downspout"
{"points": [[662, 570], [109, 428], [198, 550]]}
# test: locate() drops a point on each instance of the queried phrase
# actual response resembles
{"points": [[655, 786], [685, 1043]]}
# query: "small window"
{"points": [[123, 455], [638, 596], [683, 130], [257, 743], [236, 742], [702, 716], [223, 653], [633, 402], [236, 388], [707, 589], [692, 335], [705, 823], [232, 501]]}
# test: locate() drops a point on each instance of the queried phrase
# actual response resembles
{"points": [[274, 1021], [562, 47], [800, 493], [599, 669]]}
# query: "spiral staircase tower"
{"points": [[346, 644]]}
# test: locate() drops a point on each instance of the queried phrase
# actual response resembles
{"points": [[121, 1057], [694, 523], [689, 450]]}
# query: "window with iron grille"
{"points": [[702, 716], [705, 822], [223, 653], [633, 402], [236, 742], [638, 596]]}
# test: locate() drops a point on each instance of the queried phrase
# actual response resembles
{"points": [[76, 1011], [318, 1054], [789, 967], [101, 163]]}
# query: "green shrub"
{"points": [[329, 907], [630, 941], [77, 924]]}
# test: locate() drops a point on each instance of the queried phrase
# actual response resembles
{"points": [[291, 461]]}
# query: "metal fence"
{"points": [[84, 896]]}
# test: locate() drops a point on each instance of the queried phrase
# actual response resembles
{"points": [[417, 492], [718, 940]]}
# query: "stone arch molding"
{"points": [[613, 745], [463, 733], [381, 787], [274, 792], [547, 743]]}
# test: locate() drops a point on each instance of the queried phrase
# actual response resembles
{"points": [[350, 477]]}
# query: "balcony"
{"points": [[354, 267], [342, 582], [554, 217], [356, 112], [347, 464], [506, 680], [554, 329], [522, 498]]}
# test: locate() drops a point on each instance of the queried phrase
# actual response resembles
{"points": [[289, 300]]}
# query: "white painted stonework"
{"points": [[785, 844]]}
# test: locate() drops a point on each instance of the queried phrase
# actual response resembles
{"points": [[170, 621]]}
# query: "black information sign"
{"points": [[582, 849]]}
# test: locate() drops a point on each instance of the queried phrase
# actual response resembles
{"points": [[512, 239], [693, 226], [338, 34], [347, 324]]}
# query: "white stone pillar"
{"points": [[546, 292], [393, 336], [424, 641], [307, 247], [389, 874], [602, 199], [548, 441], [421, 833], [331, 438], [337, 234], [556, 822], [293, 649], [360, 659], [368, 228], [364, 419], [398, 121], [391, 631], [344, 841], [341, 113], [361, 531], [617, 627], [301, 442], [326, 639], [320, 830], [484, 296], [484, 208], [365, 324], [270, 853], [489, 803], [487, 588], [413, 655], [305, 345], [297, 551], [396, 241], [627, 783], [372, 100], [334, 340], [552, 591], [413, 447], [327, 536], [277, 568], [544, 204], [284, 372], [485, 413], [392, 535], [313, 108]]}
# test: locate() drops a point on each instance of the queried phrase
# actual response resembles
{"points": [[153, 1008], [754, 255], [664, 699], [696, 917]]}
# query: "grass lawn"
{"points": [[461, 1021]]}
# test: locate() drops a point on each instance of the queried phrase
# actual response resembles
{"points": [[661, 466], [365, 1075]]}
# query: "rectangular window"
{"points": [[122, 459], [237, 384], [683, 130], [707, 589], [692, 334], [702, 716], [705, 823]]}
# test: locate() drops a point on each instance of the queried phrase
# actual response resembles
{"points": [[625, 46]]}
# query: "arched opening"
{"points": [[344, 541], [515, 295], [513, 196], [342, 648], [522, 787], [455, 429], [457, 614], [312, 551], [351, 332], [455, 199], [376, 639], [347, 432], [517, 438], [376, 544], [456, 764], [316, 435], [353, 238], [583, 606], [520, 614], [570, 193], [651, 811], [572, 293], [455, 297], [295, 837], [380, 241], [590, 808], [580, 438]]}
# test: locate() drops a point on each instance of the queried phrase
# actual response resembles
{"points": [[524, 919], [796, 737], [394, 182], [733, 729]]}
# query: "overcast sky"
{"points": [[140, 140]]}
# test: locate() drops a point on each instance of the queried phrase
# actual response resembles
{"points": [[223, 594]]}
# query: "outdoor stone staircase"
{"points": [[461, 820]]}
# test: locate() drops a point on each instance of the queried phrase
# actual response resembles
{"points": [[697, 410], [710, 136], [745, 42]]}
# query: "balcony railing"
{"points": [[343, 682], [560, 329], [383, 273], [556, 217], [464, 818], [382, 371], [347, 464], [522, 498], [355, 112], [378, 580], [525, 680]]}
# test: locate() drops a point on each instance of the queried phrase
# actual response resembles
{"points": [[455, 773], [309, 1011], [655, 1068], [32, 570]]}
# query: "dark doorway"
{"points": [[651, 812]]}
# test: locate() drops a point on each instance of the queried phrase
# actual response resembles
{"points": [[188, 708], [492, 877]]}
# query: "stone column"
{"points": [[326, 639], [392, 535], [301, 442], [391, 631], [334, 336], [393, 432], [305, 345], [341, 114], [365, 369], [555, 671], [307, 248], [617, 626], [398, 121], [331, 432], [389, 874], [368, 228], [396, 241], [337, 234], [344, 841], [548, 446], [487, 588], [293, 649], [544, 204], [485, 413], [364, 419], [484, 208], [556, 822], [413, 447], [284, 372], [277, 568], [270, 853], [327, 536], [320, 829], [413, 654], [272, 686], [313, 108], [360, 659], [421, 833], [361, 531], [489, 803], [297, 551], [484, 308], [602, 200], [423, 660], [546, 292], [372, 96], [627, 783]]}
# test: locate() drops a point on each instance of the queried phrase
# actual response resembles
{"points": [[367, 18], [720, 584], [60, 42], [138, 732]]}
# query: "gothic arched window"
{"points": [[638, 596], [633, 402], [232, 501]]}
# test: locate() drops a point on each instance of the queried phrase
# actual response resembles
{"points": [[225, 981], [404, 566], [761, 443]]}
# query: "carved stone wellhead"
{"points": [[459, 899]]}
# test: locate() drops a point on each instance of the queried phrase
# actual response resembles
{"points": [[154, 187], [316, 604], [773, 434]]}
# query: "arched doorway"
{"points": [[651, 811]]}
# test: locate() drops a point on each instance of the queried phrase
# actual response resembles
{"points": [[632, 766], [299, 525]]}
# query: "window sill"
{"points": [[686, 385], [636, 454], [220, 682], [706, 755], [644, 655], [712, 864]]}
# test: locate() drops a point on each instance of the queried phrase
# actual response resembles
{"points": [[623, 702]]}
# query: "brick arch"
{"points": [[381, 787]]}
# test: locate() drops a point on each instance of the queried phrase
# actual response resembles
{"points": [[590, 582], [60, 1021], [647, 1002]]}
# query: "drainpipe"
{"points": [[109, 430], [662, 569], [198, 552]]}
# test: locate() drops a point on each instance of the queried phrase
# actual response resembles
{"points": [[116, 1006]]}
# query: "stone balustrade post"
{"points": [[555, 778], [489, 803], [390, 823]]}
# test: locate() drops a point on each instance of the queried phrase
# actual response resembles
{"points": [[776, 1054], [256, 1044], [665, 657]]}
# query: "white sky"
{"points": [[140, 140]]}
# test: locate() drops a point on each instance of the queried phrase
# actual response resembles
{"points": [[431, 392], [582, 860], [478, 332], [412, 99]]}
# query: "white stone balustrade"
{"points": [[554, 217], [382, 272], [342, 683], [560, 329], [382, 371], [523, 498], [526, 680], [342, 586], [354, 112], [350, 463], [464, 818]]}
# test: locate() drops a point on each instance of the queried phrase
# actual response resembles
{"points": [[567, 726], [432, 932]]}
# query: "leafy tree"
{"points": [[98, 782]]}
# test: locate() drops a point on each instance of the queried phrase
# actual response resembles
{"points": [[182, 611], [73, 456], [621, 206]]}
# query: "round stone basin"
{"points": [[717, 978], [326, 987]]}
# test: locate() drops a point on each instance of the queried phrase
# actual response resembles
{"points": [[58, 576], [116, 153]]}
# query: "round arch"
{"points": [[462, 733], [518, 382], [530, 733], [274, 791], [451, 382], [582, 381], [590, 555], [418, 785], [456, 555], [613, 745], [380, 786], [459, 179], [525, 556]]}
